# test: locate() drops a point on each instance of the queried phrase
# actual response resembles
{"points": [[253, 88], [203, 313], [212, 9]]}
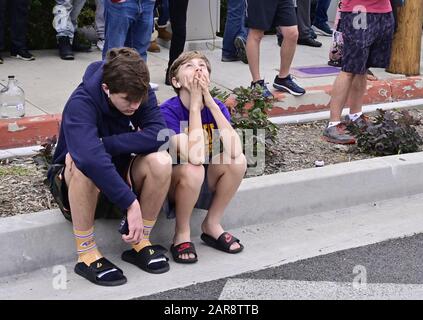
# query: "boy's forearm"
{"points": [[196, 148]]}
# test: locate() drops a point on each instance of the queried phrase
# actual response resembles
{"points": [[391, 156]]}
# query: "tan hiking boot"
{"points": [[164, 34], [154, 47]]}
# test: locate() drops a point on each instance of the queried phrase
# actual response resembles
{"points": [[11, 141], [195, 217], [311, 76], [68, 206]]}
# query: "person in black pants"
{"points": [[18, 12], [178, 20]]}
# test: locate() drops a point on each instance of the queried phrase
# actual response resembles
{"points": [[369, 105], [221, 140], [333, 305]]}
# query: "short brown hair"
{"points": [[126, 72], [184, 58]]}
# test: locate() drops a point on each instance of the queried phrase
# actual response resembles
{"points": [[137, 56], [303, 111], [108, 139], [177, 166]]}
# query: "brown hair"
{"points": [[184, 58], [126, 72]]}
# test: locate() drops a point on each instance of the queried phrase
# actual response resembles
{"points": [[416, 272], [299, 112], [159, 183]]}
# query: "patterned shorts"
{"points": [[367, 41]]}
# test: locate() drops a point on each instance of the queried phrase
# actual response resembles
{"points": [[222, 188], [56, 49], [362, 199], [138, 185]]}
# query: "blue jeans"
{"points": [[234, 27], [163, 10], [128, 24], [321, 17]]}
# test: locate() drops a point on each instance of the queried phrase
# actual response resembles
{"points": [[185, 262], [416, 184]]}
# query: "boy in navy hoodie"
{"points": [[108, 161]]}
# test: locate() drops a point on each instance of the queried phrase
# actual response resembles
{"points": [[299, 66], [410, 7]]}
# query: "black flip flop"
{"points": [[223, 243], [144, 259], [183, 248], [101, 272]]}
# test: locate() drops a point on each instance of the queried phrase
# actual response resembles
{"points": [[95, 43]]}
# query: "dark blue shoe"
{"points": [[262, 85], [288, 85], [323, 30]]}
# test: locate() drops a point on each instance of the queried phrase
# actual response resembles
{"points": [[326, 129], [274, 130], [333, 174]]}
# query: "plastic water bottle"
{"points": [[12, 100]]}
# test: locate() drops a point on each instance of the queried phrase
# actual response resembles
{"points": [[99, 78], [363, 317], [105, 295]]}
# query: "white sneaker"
{"points": [[100, 44], [154, 86]]}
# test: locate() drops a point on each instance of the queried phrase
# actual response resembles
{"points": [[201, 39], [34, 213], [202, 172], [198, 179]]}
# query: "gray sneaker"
{"points": [[336, 134]]}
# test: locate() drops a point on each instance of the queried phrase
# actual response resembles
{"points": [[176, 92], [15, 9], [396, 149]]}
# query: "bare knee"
{"points": [[74, 175], [255, 35], [159, 165], [191, 176], [290, 34]]}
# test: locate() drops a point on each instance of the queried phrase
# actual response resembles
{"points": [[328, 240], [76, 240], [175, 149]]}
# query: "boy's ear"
{"points": [[175, 83], [106, 89]]}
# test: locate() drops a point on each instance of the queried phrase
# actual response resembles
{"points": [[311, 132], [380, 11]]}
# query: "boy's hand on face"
{"points": [[194, 87], [208, 99]]}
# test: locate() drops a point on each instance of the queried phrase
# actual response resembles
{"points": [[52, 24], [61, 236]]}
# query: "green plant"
{"points": [[250, 112], [391, 132], [249, 117], [219, 94]]}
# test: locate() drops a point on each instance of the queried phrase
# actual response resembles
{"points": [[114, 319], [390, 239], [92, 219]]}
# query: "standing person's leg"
{"points": [[19, 10], [2, 24], [235, 35], [253, 52], [76, 10], [259, 18], [286, 19], [304, 24], [140, 31], [99, 23], [79, 43], [303, 18], [118, 18], [320, 23], [64, 27], [163, 20], [178, 20]]}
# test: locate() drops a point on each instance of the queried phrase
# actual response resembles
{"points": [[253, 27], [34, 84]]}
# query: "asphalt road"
{"points": [[389, 266]]}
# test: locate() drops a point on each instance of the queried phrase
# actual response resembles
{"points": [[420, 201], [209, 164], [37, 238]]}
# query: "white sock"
{"points": [[334, 123], [355, 116]]}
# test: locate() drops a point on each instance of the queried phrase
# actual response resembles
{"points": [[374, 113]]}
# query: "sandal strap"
{"points": [[185, 248], [149, 253], [101, 265], [226, 240]]}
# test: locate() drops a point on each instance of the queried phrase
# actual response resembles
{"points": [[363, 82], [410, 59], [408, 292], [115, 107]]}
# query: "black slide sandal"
{"points": [[223, 243], [145, 259], [101, 272]]}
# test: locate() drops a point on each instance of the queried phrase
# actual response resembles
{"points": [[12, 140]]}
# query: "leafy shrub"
{"points": [[391, 132]]}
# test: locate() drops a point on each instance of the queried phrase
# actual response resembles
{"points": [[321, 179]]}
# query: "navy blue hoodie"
{"points": [[87, 117]]}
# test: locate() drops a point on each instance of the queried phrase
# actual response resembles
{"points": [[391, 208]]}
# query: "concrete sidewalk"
{"points": [[48, 81]]}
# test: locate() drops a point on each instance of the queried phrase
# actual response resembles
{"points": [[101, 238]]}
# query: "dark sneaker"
{"points": [[313, 34], [309, 42], [323, 30], [262, 85], [288, 85], [337, 134], [23, 54], [240, 44], [65, 48], [80, 43], [1, 60], [230, 59]]}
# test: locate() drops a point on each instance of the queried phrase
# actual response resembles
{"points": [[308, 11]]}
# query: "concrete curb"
{"points": [[30, 131], [37, 240]]}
